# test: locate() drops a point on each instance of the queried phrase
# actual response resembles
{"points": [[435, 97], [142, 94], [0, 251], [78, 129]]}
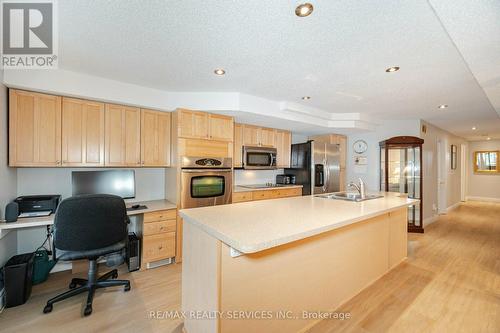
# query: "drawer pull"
{"points": [[160, 247], [161, 228]]}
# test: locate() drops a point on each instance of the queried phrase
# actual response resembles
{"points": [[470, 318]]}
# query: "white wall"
{"points": [[150, 185], [371, 172], [482, 186], [8, 178], [451, 178]]}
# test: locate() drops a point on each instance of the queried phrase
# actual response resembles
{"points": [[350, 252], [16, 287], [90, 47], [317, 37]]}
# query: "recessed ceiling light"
{"points": [[304, 10], [305, 98], [488, 138], [443, 106], [474, 128], [219, 71], [392, 69]]}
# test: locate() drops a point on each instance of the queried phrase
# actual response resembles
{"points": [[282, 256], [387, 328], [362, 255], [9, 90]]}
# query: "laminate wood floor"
{"points": [[450, 283]]}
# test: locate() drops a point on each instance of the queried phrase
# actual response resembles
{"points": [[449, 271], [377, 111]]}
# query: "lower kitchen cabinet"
{"points": [[159, 236], [266, 194]]}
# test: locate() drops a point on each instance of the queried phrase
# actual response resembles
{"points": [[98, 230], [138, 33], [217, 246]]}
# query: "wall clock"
{"points": [[360, 146]]}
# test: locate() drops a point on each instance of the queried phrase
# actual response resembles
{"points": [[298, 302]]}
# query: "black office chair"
{"points": [[88, 227]]}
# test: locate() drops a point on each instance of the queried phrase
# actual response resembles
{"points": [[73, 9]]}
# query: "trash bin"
{"points": [[18, 274]]}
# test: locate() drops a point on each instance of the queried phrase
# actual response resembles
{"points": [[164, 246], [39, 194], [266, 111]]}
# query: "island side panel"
{"points": [[200, 278], [318, 273], [398, 236]]}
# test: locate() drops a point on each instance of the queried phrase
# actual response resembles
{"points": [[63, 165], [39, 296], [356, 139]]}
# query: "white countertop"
{"points": [[153, 206], [255, 226], [240, 188]]}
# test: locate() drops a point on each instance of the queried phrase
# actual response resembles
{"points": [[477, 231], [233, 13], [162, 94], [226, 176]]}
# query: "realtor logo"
{"points": [[28, 33]]}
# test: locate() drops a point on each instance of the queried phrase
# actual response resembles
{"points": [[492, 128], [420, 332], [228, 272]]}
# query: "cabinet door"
{"points": [[267, 136], [283, 146], [122, 136], [220, 127], [159, 246], [238, 146], [155, 138], [82, 133], [343, 151], [251, 135], [34, 129], [193, 124]]}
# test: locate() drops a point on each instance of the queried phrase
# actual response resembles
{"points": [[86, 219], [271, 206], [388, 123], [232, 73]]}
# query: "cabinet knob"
{"points": [[160, 247]]}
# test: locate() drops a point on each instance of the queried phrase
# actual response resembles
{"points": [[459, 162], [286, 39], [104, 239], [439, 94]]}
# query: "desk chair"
{"points": [[88, 227]]}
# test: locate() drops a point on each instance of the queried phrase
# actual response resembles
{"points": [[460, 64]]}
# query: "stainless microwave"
{"points": [[259, 158]]}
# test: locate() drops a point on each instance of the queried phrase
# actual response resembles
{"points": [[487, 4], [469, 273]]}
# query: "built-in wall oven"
{"points": [[206, 181], [259, 157]]}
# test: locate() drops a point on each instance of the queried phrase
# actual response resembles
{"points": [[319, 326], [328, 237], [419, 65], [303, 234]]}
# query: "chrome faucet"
{"points": [[361, 188]]}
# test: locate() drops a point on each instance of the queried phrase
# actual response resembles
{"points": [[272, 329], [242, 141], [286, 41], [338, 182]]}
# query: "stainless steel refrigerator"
{"points": [[316, 166]]}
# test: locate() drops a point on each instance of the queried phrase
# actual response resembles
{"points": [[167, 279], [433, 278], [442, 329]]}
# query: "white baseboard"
{"points": [[473, 198], [454, 206], [430, 220], [62, 266]]}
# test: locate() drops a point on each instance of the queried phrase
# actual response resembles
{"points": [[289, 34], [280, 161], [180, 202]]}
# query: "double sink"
{"points": [[349, 196]]}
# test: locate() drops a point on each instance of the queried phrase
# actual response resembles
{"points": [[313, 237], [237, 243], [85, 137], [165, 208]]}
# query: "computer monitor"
{"points": [[117, 182]]}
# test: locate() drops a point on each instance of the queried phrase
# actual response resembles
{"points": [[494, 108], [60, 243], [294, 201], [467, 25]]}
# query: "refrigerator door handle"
{"points": [[325, 175]]}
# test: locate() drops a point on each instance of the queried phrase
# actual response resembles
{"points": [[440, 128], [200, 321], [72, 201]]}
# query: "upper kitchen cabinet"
{"points": [[220, 127], [82, 132], [122, 136], [192, 124], [258, 136], [155, 138], [284, 147], [267, 137], [34, 129], [203, 125], [238, 146]]}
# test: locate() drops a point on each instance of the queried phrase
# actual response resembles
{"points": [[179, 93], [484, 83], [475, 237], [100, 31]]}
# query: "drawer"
{"points": [[153, 228], [157, 247], [242, 196], [263, 195], [160, 215]]}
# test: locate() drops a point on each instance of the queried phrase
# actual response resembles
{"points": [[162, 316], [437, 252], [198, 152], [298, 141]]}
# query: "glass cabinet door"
{"points": [[400, 171]]}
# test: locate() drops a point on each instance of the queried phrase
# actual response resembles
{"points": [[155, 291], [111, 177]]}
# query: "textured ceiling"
{"points": [[337, 55]]}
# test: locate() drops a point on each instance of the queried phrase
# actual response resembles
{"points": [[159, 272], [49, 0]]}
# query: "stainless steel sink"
{"points": [[349, 196]]}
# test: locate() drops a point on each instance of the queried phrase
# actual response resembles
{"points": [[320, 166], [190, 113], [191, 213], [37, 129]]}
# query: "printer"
{"points": [[37, 205]]}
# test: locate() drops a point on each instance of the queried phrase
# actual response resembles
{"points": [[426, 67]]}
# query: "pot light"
{"points": [[305, 98], [474, 128], [219, 71], [488, 138], [443, 106], [392, 69], [304, 10]]}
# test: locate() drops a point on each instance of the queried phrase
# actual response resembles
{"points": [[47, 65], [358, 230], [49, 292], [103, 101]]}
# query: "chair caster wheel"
{"points": [[127, 288], [88, 310], [47, 308], [72, 285], [114, 276]]}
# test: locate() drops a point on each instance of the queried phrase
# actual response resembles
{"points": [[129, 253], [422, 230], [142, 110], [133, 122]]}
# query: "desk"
{"points": [[47, 221], [28, 222]]}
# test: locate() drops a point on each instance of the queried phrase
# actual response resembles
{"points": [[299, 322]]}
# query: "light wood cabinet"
{"points": [[267, 137], [82, 132], [155, 138], [122, 136], [258, 136], [34, 129], [159, 236], [238, 146], [266, 194], [220, 127], [192, 124], [251, 135], [284, 148]]}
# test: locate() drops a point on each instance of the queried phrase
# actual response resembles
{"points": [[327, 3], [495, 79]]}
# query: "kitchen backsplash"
{"points": [[246, 177]]}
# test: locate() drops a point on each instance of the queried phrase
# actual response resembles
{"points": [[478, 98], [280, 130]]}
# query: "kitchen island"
{"points": [[281, 265]]}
